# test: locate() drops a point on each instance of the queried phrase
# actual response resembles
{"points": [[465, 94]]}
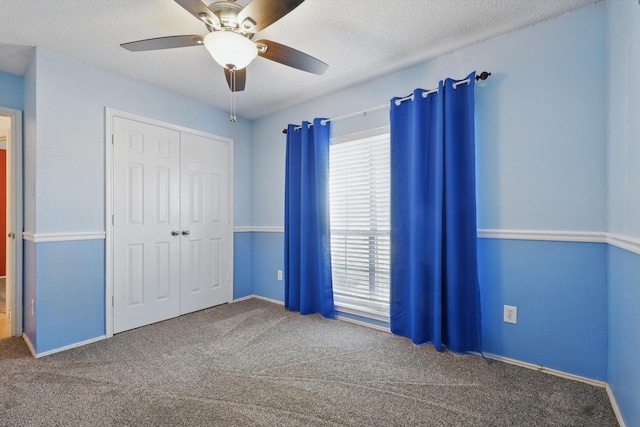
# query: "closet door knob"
{"points": [[175, 233], [186, 232]]}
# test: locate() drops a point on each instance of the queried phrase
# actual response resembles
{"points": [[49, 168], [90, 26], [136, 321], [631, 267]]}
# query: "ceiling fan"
{"points": [[229, 41]]}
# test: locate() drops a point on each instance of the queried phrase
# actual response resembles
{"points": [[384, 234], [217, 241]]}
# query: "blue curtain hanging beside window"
{"points": [[434, 280], [307, 246]]}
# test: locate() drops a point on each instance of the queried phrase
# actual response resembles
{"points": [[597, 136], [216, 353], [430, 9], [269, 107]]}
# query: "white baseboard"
{"points": [[361, 323], [343, 318], [67, 347], [275, 301], [546, 370], [614, 406], [29, 345], [540, 368], [242, 299]]}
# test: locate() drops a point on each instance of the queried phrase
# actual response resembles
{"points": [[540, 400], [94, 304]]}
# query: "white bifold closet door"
{"points": [[205, 246], [171, 236]]}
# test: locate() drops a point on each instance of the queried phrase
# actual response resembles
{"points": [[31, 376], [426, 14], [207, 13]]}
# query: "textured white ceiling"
{"points": [[359, 39]]}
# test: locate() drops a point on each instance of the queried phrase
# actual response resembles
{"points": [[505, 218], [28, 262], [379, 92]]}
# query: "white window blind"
{"points": [[360, 222]]}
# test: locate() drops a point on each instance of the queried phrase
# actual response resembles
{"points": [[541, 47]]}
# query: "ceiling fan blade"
{"points": [[289, 56], [164, 43], [241, 79], [200, 11], [263, 13]]}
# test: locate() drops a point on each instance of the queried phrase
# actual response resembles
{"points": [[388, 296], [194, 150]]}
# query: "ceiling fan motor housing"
{"points": [[227, 13]]}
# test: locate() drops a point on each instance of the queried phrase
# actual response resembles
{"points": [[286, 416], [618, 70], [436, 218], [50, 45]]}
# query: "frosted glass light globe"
{"points": [[229, 49]]}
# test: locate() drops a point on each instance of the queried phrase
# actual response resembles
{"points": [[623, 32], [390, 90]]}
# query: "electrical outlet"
{"points": [[510, 314], [280, 275]]}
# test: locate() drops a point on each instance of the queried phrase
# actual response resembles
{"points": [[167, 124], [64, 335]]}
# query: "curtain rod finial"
{"points": [[483, 75]]}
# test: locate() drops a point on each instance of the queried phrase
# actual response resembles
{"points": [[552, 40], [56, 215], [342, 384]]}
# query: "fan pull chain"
{"points": [[233, 117]]}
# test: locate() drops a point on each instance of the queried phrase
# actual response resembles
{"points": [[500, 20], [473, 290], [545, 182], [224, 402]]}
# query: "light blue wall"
{"points": [[70, 293], [70, 145], [624, 125], [11, 91], [268, 250], [560, 289], [29, 294], [242, 265], [624, 332], [624, 206], [29, 143], [65, 164], [541, 165], [540, 125]]}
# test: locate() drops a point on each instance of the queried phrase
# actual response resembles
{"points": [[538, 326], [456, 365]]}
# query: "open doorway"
{"points": [[10, 222]]}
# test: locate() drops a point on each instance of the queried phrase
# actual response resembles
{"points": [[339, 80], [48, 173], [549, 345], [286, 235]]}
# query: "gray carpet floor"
{"points": [[253, 363]]}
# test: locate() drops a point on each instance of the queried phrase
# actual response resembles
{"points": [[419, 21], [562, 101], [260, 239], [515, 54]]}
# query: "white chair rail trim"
{"points": [[63, 237], [628, 243], [258, 229], [546, 235], [631, 244]]}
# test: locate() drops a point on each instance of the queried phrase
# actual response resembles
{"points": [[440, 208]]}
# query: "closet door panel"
{"points": [[146, 207], [206, 247]]}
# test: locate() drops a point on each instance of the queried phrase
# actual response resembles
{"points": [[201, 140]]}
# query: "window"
{"points": [[360, 223]]}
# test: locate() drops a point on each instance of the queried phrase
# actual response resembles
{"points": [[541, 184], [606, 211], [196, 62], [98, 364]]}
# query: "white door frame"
{"points": [[110, 114], [15, 204]]}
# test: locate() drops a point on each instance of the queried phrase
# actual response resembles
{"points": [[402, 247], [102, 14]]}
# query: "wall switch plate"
{"points": [[280, 275], [510, 314]]}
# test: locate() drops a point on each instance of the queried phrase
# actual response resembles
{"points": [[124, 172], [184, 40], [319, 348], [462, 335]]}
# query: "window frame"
{"points": [[374, 310]]}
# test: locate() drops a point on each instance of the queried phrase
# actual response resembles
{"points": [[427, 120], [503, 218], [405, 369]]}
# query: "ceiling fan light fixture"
{"points": [[231, 50]]}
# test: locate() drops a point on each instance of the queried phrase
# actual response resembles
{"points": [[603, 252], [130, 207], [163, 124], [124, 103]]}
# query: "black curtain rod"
{"points": [[482, 76]]}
